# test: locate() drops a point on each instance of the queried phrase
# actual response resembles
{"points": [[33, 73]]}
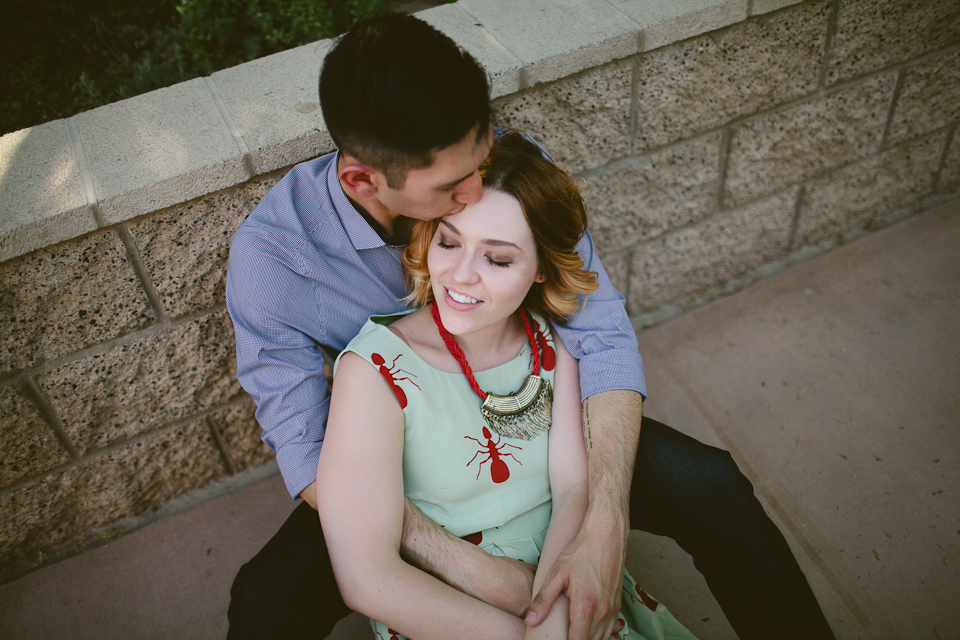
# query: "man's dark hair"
{"points": [[394, 90]]}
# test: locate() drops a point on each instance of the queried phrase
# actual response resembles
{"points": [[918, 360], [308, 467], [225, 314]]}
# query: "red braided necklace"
{"points": [[461, 357], [522, 414]]}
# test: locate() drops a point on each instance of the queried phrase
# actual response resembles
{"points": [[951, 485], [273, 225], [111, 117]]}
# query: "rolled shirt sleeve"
{"points": [[600, 336], [279, 361]]}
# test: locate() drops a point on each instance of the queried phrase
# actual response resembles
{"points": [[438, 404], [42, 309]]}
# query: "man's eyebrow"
{"points": [[450, 185], [491, 241]]}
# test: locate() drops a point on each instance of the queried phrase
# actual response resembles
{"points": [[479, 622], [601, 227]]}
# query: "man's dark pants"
{"points": [[682, 489]]}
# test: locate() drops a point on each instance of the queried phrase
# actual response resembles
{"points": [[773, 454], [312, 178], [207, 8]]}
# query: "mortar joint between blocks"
{"points": [[220, 445], [795, 218], [829, 39], [86, 176], [633, 125], [947, 145], [133, 255], [897, 90], [248, 163], [725, 144], [32, 391]]}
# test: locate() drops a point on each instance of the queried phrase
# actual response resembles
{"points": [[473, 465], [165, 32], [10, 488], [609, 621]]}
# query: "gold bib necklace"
{"points": [[522, 414]]}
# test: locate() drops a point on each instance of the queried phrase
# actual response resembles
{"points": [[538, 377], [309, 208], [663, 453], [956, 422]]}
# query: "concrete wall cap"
{"points": [[158, 149], [503, 67], [556, 38], [42, 199], [666, 22], [273, 102], [760, 7], [172, 145]]}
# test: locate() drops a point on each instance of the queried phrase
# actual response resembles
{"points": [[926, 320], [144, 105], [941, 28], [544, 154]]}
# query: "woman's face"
{"points": [[482, 262]]}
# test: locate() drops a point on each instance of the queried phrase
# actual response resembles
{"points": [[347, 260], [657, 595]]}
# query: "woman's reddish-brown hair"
{"points": [[554, 209]]}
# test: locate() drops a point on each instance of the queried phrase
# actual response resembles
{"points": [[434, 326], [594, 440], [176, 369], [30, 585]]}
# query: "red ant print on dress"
{"points": [[390, 376], [548, 355], [494, 450], [393, 635], [645, 598], [474, 538]]}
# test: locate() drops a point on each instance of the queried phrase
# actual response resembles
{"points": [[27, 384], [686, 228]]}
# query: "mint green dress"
{"points": [[491, 490]]}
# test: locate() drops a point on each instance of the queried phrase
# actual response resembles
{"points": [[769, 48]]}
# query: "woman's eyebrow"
{"points": [[450, 226], [490, 241]]}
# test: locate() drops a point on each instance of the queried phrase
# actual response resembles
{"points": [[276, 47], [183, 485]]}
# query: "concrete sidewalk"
{"points": [[835, 385]]}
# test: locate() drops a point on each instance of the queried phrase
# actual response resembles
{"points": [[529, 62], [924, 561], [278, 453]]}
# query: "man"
{"points": [[410, 114]]}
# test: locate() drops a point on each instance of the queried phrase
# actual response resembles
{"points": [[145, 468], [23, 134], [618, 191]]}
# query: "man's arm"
{"points": [[279, 363], [590, 568]]}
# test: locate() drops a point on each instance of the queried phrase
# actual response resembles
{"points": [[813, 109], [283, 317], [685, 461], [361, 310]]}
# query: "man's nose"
{"points": [[470, 190]]}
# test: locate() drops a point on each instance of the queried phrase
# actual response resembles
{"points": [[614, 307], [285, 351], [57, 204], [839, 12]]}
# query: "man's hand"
{"points": [[509, 588], [590, 572], [309, 495]]}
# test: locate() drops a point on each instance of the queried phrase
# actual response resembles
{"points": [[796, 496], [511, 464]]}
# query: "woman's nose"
{"points": [[465, 271], [470, 190]]}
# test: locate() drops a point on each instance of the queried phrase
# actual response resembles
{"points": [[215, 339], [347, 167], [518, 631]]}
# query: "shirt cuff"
{"points": [[298, 465], [612, 370]]}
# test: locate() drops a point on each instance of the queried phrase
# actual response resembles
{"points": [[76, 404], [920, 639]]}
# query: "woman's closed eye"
{"points": [[503, 263]]}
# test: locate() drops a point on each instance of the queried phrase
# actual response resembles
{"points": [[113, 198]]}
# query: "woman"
{"points": [[451, 405]]}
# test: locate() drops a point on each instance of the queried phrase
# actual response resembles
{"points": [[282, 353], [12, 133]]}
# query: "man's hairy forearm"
{"points": [[611, 431], [501, 582]]}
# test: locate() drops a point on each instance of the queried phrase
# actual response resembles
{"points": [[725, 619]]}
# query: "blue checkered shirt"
{"points": [[306, 270]]}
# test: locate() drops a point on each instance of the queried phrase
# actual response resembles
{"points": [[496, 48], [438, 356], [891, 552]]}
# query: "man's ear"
{"points": [[359, 179]]}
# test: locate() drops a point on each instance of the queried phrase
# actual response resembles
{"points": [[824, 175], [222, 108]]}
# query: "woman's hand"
{"points": [[504, 583]]}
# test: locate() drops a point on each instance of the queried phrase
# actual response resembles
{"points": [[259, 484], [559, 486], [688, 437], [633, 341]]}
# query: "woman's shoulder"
{"points": [[408, 331], [374, 335]]}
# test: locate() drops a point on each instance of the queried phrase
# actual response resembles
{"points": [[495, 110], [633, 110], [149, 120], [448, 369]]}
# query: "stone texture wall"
{"points": [[118, 387], [763, 142], [708, 160]]}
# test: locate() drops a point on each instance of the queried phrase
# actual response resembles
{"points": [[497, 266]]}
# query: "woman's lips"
{"points": [[461, 302]]}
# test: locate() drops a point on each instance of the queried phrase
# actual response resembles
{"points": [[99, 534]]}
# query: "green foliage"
{"points": [[62, 58]]}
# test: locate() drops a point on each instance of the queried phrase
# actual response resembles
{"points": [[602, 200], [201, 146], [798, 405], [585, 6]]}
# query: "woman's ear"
{"points": [[540, 277]]}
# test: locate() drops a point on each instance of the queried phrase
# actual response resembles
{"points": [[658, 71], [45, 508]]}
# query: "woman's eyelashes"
{"points": [[496, 261]]}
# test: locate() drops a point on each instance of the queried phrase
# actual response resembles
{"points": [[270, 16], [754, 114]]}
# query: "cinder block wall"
{"points": [[719, 142]]}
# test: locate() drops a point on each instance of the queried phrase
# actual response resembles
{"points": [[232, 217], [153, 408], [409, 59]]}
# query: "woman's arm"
{"points": [[568, 485], [361, 508]]}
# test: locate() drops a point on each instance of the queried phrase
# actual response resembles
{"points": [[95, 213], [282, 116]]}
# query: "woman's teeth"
{"points": [[461, 298]]}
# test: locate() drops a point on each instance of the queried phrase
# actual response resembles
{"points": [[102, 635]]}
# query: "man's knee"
{"points": [[720, 476], [679, 477]]}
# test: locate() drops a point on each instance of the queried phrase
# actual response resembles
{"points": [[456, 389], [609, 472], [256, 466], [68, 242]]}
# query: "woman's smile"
{"points": [[461, 298]]}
